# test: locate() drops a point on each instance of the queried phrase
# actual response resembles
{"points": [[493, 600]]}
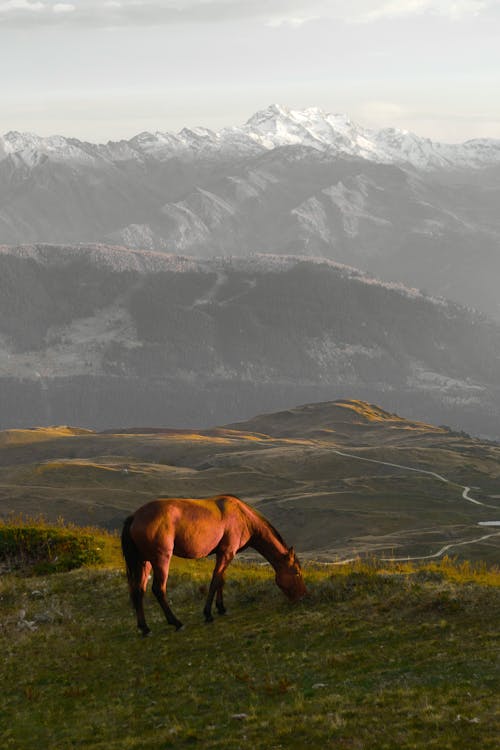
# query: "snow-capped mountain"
{"points": [[286, 182], [279, 126], [270, 128]]}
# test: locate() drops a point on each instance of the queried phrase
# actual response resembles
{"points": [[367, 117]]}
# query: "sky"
{"points": [[111, 69]]}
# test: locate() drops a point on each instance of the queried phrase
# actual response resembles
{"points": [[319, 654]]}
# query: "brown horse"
{"points": [[222, 525]]}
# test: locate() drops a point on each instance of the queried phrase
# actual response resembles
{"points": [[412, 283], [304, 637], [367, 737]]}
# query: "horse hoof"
{"points": [[208, 620], [145, 633], [180, 626]]}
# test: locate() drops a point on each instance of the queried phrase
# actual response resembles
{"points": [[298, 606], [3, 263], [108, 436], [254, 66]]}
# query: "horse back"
{"points": [[190, 528]]}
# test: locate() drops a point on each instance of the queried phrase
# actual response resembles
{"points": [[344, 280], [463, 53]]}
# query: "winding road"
{"points": [[465, 495]]}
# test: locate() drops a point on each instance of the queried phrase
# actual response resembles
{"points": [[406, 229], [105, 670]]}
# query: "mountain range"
{"points": [[287, 182], [104, 336], [270, 128]]}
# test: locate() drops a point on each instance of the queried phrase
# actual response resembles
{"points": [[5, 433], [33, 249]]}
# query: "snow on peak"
{"points": [[30, 149], [280, 126], [269, 128], [338, 134]]}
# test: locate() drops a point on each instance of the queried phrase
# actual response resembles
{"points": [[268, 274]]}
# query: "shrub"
{"points": [[37, 548]]}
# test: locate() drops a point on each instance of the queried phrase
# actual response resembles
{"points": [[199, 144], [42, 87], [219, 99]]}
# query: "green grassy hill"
{"points": [[375, 658], [338, 479]]}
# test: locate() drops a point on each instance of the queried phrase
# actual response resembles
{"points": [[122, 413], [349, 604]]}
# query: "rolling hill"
{"points": [[339, 479]]}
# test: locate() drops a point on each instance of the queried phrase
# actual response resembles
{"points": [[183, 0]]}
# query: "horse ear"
{"points": [[291, 553]]}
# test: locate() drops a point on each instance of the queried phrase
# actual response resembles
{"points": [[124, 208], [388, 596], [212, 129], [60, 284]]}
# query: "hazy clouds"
{"points": [[110, 69], [294, 12]]}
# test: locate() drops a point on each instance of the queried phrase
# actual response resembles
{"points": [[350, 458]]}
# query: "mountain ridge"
{"points": [[267, 129], [100, 336], [120, 258], [289, 183]]}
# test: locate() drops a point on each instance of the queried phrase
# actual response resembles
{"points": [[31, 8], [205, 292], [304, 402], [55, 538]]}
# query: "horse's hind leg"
{"points": [[160, 576], [137, 591]]}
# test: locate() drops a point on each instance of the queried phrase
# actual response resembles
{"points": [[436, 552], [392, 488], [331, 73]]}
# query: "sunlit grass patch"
{"points": [[446, 568], [39, 434]]}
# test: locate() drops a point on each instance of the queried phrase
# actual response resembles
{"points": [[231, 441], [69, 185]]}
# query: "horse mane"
{"points": [[263, 520], [274, 530]]}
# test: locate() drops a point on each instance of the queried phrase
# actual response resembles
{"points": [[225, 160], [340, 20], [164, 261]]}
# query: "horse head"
{"points": [[289, 576]]}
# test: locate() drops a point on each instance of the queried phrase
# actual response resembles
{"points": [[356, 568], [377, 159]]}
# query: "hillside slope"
{"points": [[104, 337], [374, 658]]}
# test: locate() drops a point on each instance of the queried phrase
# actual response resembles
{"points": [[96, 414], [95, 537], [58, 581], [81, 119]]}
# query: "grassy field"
{"points": [[375, 658]]}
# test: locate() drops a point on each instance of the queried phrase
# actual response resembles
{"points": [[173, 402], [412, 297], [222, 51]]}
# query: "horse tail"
{"points": [[133, 559]]}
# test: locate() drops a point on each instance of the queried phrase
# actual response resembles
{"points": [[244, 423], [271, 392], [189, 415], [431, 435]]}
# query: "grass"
{"points": [[32, 545], [375, 658]]}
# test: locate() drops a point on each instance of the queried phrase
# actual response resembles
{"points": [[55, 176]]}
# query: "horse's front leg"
{"points": [[219, 601], [160, 576], [217, 584]]}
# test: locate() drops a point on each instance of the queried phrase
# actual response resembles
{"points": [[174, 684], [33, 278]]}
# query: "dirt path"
{"points": [[465, 493], [442, 550]]}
